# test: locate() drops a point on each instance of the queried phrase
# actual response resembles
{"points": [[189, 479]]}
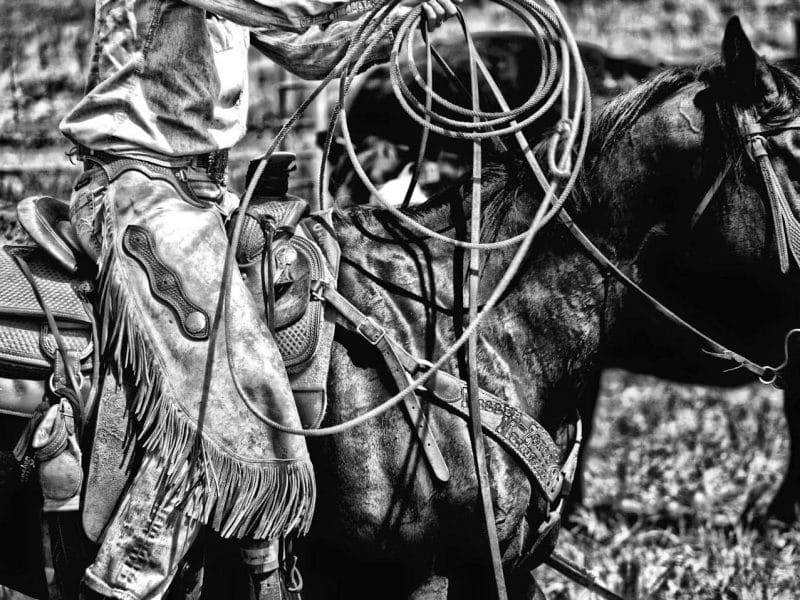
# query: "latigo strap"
{"points": [[516, 431]]}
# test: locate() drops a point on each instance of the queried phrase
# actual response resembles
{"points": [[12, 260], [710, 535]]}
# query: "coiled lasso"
{"points": [[561, 68]]}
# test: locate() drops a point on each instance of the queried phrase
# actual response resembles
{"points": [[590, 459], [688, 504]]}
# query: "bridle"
{"points": [[786, 225], [787, 236]]}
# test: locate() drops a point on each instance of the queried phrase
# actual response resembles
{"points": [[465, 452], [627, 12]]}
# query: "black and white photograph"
{"points": [[399, 299]]}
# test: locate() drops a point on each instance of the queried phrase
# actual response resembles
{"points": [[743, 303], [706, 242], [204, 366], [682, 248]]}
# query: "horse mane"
{"points": [[616, 117], [609, 126], [720, 103], [506, 175]]}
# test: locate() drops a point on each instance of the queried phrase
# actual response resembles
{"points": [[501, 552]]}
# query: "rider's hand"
{"points": [[436, 11]]}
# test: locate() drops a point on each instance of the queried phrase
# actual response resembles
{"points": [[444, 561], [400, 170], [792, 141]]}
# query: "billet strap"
{"points": [[513, 429], [519, 433], [354, 320]]}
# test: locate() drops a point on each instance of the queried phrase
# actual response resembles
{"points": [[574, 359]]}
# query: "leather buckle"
{"points": [[371, 331]]}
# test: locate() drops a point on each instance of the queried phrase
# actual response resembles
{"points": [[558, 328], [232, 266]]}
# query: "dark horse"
{"points": [[654, 153], [383, 526]]}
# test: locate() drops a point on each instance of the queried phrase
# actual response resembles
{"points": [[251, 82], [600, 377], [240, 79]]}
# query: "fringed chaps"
{"points": [[233, 472]]}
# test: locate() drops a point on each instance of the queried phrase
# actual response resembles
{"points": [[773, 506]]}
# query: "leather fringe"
{"points": [[258, 500]]}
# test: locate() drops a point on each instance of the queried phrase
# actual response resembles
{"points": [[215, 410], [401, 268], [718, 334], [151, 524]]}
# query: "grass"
{"points": [[676, 482]]}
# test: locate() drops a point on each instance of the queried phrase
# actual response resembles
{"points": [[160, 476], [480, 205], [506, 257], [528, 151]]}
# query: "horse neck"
{"points": [[562, 305], [621, 207]]}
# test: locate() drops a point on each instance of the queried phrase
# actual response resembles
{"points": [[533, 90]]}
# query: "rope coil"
{"points": [[544, 18]]}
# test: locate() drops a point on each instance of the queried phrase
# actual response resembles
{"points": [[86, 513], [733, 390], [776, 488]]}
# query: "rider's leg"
{"points": [[268, 581], [246, 479], [143, 546]]}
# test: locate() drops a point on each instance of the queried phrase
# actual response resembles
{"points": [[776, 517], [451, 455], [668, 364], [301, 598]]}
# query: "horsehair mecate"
{"points": [[259, 500]]}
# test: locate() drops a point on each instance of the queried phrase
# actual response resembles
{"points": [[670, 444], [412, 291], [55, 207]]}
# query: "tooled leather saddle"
{"points": [[304, 249]]}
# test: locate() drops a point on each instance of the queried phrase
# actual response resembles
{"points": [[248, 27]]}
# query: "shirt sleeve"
{"points": [[314, 53], [285, 15]]}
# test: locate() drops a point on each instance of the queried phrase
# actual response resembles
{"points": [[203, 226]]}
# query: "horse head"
{"points": [[753, 116], [692, 186]]}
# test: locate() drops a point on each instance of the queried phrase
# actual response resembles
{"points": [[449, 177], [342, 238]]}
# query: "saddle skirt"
{"points": [[306, 251], [27, 347]]}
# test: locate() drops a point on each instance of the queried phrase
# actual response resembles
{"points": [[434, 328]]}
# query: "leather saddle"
{"points": [[304, 250], [29, 361], [46, 219]]}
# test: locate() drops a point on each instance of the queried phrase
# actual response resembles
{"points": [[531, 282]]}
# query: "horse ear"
{"points": [[746, 71]]}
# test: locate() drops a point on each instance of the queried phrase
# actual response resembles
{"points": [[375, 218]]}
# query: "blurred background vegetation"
{"points": [[44, 51]]}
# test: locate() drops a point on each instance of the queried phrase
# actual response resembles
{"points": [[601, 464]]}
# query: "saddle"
{"points": [[303, 251], [27, 346]]}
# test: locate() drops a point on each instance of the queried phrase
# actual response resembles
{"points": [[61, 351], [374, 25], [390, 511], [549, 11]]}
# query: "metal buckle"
{"points": [[318, 290], [52, 383], [370, 322]]}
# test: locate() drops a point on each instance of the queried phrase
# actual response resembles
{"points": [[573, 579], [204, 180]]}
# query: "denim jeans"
{"points": [[170, 78], [145, 543]]}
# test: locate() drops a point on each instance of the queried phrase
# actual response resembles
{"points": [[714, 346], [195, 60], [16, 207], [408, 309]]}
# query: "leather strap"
{"points": [[580, 575], [515, 430], [51, 321], [175, 176], [709, 196], [786, 226], [519, 433], [354, 320], [165, 283]]}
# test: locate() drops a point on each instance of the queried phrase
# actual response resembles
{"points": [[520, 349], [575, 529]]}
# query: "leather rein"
{"points": [[787, 235]]}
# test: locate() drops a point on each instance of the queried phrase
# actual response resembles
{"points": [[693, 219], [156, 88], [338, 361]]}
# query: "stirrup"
{"points": [[274, 586]]}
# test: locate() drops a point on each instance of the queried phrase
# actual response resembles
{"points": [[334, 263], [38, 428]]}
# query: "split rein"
{"points": [[786, 231]]}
